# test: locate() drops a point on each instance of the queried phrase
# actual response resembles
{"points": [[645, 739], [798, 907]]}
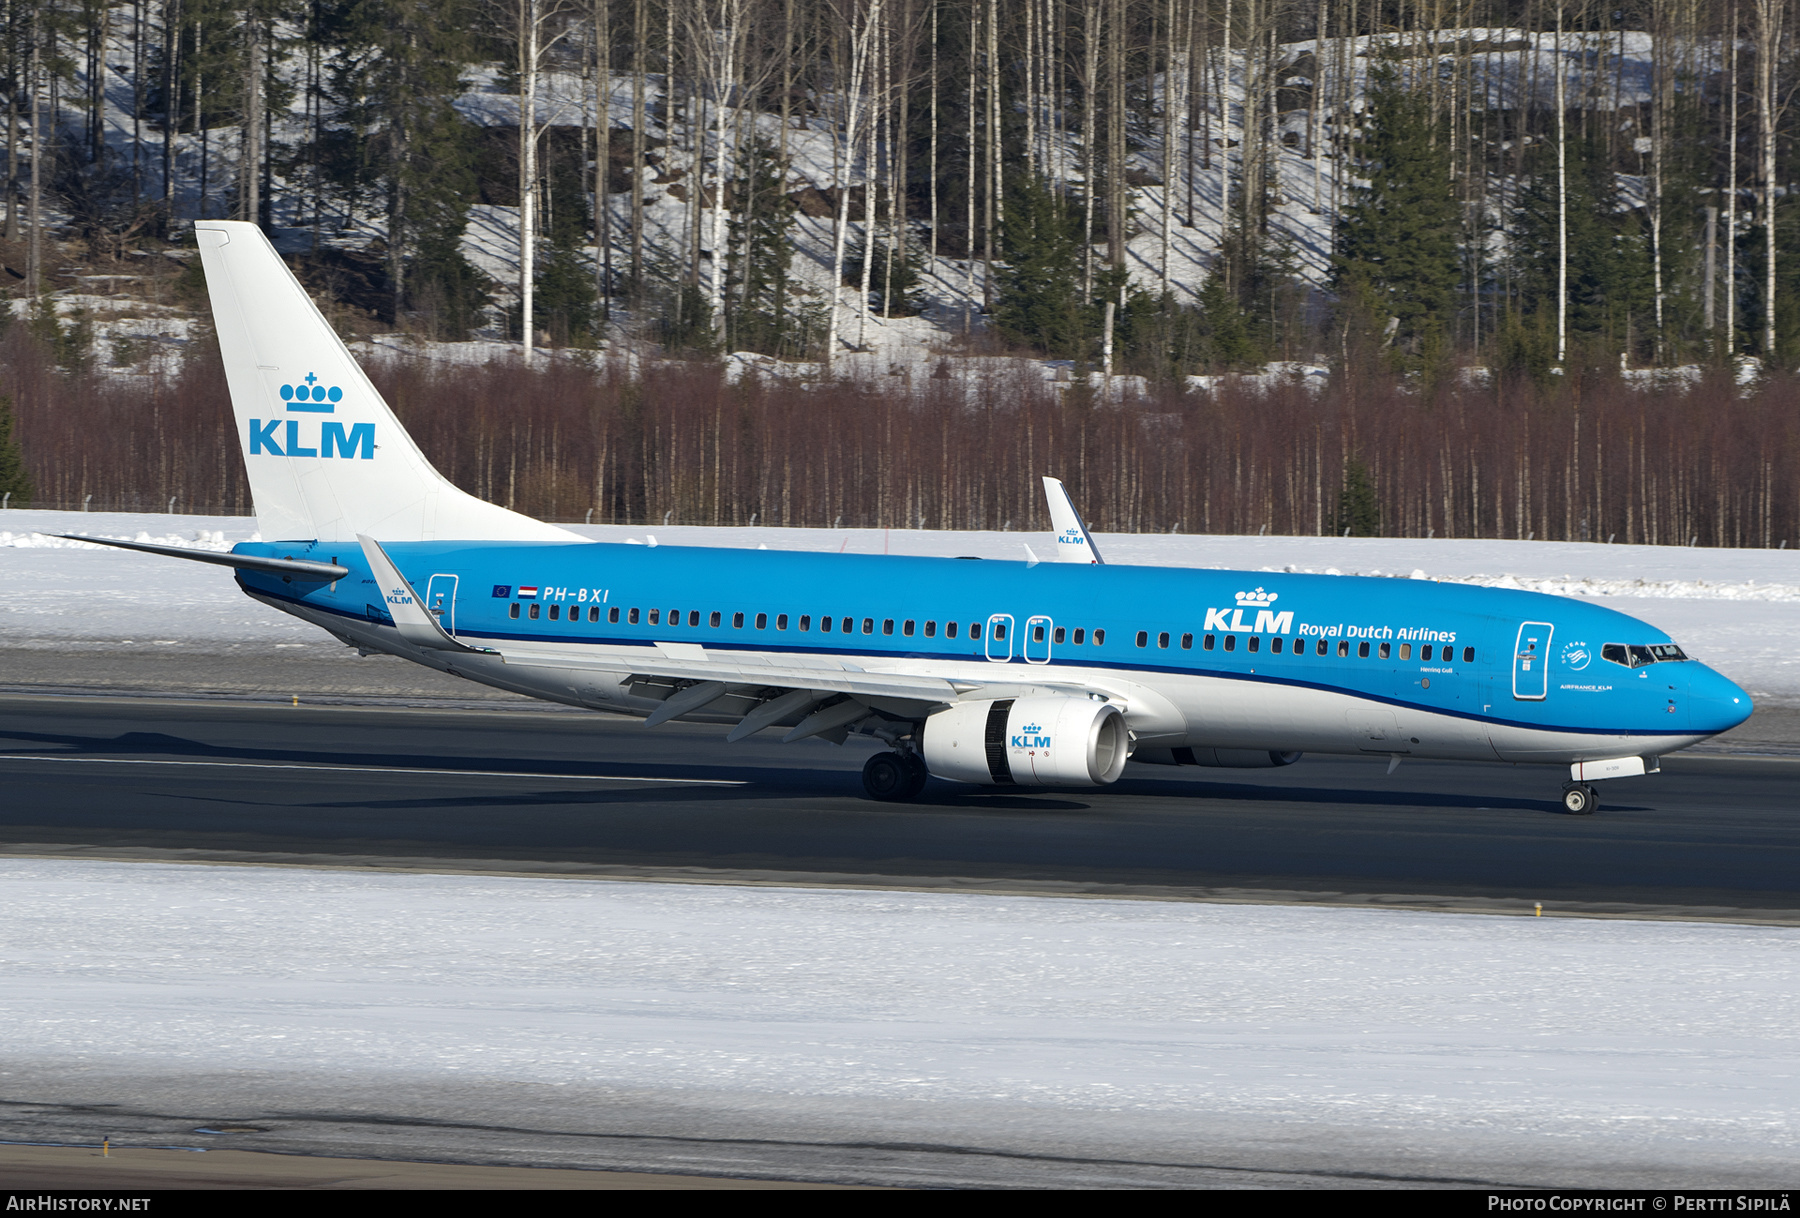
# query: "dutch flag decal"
{"points": [[526, 594]]}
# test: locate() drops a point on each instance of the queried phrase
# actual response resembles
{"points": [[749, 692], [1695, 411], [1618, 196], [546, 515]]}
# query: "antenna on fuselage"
{"points": [[1073, 541]]}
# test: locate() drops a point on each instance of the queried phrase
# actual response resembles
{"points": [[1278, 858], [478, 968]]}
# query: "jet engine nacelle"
{"points": [[1028, 742], [1227, 759]]}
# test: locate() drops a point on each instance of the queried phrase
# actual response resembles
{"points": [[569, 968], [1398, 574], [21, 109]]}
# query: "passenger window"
{"points": [[848, 625], [655, 616], [869, 625], [906, 628], [534, 612], [1099, 637], [931, 629], [806, 621], [713, 619], [762, 621], [1231, 642], [1037, 633], [1323, 648], [1143, 638], [514, 607], [1206, 644], [1187, 642], [824, 624], [555, 612], [694, 618], [975, 631], [1362, 651], [1256, 642], [1425, 652], [737, 621], [1162, 640], [612, 615], [1343, 649], [949, 630], [1080, 636], [1058, 636], [887, 626], [594, 613], [1468, 655], [1387, 651], [1406, 651], [1275, 644], [999, 630], [781, 621]]}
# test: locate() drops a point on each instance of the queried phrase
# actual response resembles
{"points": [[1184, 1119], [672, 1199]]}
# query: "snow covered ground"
{"points": [[1678, 1044], [1738, 610]]}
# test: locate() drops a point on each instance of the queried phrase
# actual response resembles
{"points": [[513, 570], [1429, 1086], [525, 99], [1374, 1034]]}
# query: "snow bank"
{"points": [[1614, 1032]]}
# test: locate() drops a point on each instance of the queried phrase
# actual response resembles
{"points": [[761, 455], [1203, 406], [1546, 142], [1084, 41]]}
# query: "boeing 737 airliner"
{"points": [[1027, 674]]}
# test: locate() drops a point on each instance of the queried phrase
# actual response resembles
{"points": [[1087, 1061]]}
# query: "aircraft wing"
{"points": [[692, 662]]}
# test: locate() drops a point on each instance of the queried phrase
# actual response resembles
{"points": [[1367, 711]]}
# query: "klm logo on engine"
{"points": [[1261, 603], [300, 439], [1027, 737]]}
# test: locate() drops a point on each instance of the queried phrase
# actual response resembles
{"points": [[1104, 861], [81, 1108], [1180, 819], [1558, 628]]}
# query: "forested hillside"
{"points": [[1445, 223]]}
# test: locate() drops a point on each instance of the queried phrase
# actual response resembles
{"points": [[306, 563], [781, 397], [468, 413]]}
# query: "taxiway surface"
{"points": [[545, 792]]}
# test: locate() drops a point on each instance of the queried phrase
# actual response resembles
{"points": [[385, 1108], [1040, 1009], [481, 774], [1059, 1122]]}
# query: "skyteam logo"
{"points": [[1267, 621], [331, 439], [1029, 737]]}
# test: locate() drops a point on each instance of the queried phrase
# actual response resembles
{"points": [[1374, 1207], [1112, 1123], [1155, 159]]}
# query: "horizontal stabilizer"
{"points": [[300, 568]]}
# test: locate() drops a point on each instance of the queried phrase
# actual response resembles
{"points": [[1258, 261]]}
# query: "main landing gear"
{"points": [[1579, 799], [894, 777]]}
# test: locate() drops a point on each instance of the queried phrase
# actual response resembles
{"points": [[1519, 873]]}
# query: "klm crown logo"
{"points": [[328, 439], [312, 397], [1257, 599]]}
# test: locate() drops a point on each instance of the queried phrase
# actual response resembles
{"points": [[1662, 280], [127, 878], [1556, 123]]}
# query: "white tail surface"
{"points": [[326, 457], [1073, 542]]}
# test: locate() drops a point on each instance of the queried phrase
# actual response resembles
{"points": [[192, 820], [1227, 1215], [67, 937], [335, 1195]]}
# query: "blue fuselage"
{"points": [[1504, 658]]}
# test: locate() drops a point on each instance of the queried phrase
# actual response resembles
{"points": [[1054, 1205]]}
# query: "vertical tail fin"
{"points": [[326, 457], [1073, 542]]}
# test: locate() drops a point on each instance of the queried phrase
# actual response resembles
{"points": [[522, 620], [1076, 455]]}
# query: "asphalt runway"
{"points": [[1713, 836], [543, 791]]}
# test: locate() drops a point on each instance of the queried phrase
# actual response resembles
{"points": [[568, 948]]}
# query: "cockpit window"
{"points": [[1636, 656]]}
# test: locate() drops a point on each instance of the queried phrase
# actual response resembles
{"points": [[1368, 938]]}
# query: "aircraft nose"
{"points": [[1715, 703]]}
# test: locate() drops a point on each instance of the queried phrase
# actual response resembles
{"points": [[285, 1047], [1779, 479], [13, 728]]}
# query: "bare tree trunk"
{"points": [[1562, 197], [528, 133], [1731, 196], [34, 254], [640, 33], [603, 155], [859, 60], [171, 102], [1090, 80], [250, 143], [1769, 14]]}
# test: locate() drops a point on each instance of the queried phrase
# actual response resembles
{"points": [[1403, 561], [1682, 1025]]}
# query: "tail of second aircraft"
{"points": [[326, 457]]}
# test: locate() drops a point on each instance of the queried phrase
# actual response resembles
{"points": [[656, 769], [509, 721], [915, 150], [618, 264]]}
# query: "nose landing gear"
{"points": [[1580, 800]]}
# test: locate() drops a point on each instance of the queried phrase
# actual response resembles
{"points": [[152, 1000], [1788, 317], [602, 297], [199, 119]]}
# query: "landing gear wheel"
{"points": [[889, 778], [916, 776], [1579, 799]]}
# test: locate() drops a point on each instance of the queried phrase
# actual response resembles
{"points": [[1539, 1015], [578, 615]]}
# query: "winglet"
{"points": [[1073, 542], [414, 622]]}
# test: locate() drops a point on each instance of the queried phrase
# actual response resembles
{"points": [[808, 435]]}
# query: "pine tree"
{"points": [[13, 477], [1040, 304], [1397, 242], [1359, 512], [1608, 258], [763, 312]]}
